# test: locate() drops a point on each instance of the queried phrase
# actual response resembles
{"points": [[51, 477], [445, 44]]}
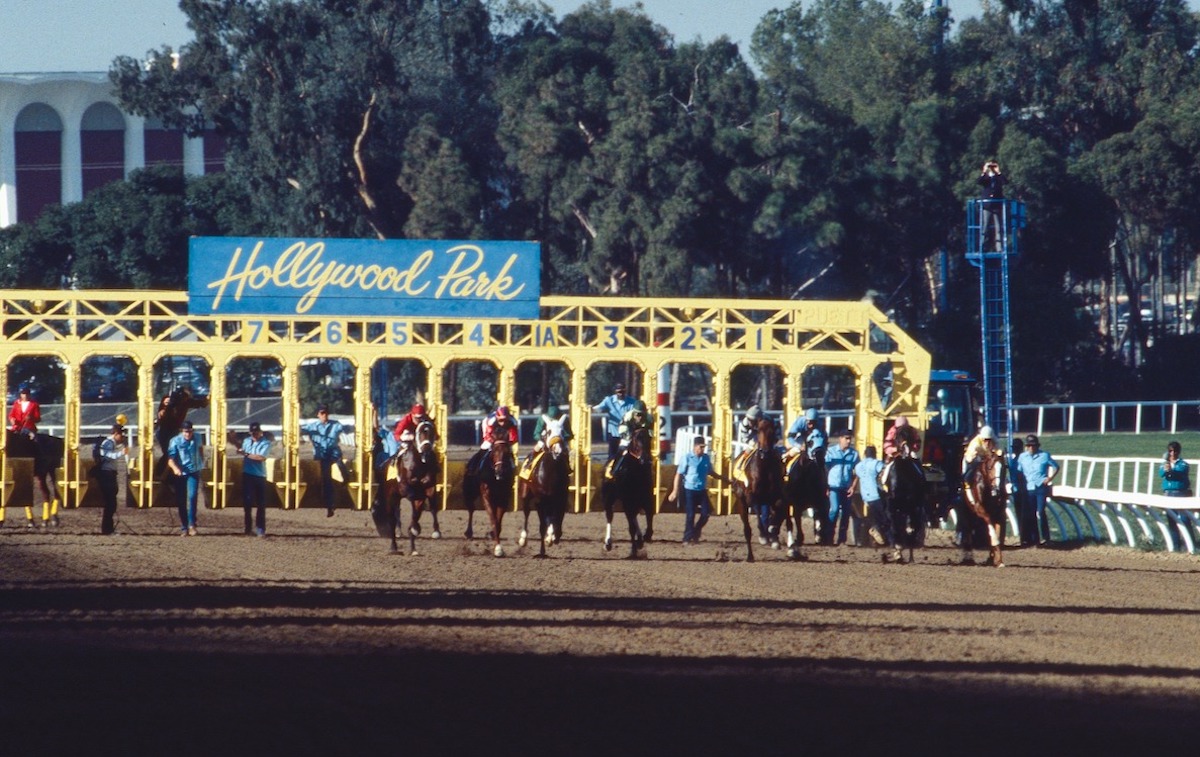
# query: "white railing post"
{"points": [[1041, 424], [1103, 416], [1137, 419], [1071, 421], [1174, 416]]}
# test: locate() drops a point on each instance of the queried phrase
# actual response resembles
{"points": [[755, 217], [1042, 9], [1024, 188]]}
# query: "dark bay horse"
{"points": [[803, 489], [984, 502], [489, 478], [546, 489], [629, 479], [412, 475], [906, 497], [758, 488], [47, 453]]}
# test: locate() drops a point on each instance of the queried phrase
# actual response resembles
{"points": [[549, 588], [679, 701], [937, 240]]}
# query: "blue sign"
{"points": [[363, 277]]}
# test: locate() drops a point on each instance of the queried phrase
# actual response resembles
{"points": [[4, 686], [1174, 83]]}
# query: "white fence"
{"points": [[1105, 417]]}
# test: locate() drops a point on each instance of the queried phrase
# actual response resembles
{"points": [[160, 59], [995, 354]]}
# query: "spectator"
{"points": [[991, 183], [1039, 470], [1176, 479], [1026, 513]]}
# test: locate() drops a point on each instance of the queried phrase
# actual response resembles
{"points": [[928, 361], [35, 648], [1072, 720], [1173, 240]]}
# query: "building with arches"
{"points": [[63, 135]]}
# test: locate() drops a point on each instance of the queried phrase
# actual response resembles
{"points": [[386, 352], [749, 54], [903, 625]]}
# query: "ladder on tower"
{"points": [[992, 242]]}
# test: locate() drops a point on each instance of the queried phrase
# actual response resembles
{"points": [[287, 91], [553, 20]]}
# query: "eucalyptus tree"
{"points": [[621, 146], [317, 100]]}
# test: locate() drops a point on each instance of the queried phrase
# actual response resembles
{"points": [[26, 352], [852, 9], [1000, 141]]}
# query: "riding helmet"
{"points": [[418, 409], [987, 433]]}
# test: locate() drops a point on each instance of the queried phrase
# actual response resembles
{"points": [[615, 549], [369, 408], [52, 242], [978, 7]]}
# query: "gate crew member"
{"points": [[615, 406], [254, 479], [327, 450], [186, 459]]}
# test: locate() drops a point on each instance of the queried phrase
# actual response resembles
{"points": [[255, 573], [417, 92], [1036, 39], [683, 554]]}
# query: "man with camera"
{"points": [[991, 182]]}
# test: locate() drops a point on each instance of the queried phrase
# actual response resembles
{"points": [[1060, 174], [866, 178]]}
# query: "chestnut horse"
{"points": [[629, 479], [758, 488], [412, 475], [489, 478], [546, 489], [984, 502], [906, 497]]}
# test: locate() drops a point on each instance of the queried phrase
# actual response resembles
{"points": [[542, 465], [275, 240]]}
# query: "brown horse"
{"points": [[985, 502], [412, 475], [490, 478], [758, 487], [629, 479], [546, 489]]}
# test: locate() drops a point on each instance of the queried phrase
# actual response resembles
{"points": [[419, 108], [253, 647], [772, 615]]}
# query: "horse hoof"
{"points": [[750, 557], [649, 536], [762, 540], [414, 553], [776, 545], [999, 565], [469, 534], [522, 539], [608, 545], [435, 535], [498, 551], [394, 550]]}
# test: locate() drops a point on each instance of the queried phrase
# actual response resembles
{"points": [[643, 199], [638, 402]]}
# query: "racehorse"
{"points": [[47, 453], [489, 478], [984, 502], [412, 475], [629, 479], [803, 489], [758, 487], [546, 487], [906, 498]]}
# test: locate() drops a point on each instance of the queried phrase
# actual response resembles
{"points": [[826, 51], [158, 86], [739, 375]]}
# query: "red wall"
{"points": [[103, 155]]}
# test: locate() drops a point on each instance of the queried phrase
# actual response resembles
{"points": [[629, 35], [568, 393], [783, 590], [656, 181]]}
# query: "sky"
{"points": [[86, 35]]}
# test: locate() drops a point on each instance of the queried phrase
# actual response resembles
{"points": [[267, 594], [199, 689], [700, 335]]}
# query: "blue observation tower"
{"points": [[993, 228]]}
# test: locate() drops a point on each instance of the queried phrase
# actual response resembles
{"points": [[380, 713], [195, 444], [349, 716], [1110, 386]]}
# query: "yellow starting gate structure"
{"points": [[578, 332]]}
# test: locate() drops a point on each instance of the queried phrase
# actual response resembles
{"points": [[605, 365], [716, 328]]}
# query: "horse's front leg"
{"points": [[635, 533], [608, 516], [523, 537], [649, 535], [431, 502], [496, 515], [744, 511], [414, 526]]}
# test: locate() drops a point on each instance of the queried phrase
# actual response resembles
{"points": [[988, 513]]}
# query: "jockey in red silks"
{"points": [[406, 428], [25, 414], [899, 434], [499, 426]]}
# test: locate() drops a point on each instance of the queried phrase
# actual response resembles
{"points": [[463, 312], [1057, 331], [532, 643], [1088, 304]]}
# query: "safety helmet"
{"points": [[502, 411], [901, 422], [754, 412], [418, 409], [987, 433], [810, 414]]}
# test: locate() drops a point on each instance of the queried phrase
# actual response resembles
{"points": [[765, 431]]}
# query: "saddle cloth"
{"points": [[530, 463]]}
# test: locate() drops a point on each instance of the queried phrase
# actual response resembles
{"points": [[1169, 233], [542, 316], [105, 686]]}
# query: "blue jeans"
{"points": [[695, 501], [327, 481], [187, 490], [1036, 501], [839, 503]]}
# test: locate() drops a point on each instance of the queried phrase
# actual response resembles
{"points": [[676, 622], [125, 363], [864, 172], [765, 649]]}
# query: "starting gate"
{"points": [[890, 370]]}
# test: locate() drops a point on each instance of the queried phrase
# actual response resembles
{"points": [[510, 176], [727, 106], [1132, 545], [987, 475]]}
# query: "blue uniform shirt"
{"points": [[840, 466], [251, 447], [868, 471], [695, 470], [187, 454], [615, 409], [324, 439], [1035, 468]]}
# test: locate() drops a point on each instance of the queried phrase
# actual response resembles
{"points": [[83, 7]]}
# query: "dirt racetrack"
{"points": [[316, 641]]}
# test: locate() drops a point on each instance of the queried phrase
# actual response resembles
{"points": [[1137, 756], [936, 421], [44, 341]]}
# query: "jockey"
{"points": [[25, 414], [984, 444], [636, 419], [748, 428], [806, 434], [406, 428], [386, 446], [547, 425], [499, 426], [898, 436]]}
